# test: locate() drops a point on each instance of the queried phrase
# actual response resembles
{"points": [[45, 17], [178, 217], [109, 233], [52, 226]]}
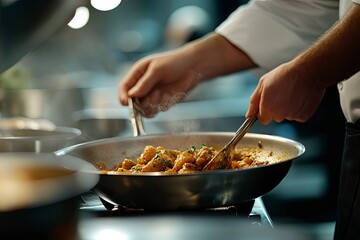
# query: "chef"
{"points": [[334, 58], [309, 49]]}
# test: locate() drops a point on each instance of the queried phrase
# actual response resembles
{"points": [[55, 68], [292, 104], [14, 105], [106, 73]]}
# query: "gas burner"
{"points": [[253, 210], [242, 209]]}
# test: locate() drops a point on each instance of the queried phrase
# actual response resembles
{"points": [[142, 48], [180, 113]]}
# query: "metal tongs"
{"points": [[136, 117], [222, 159]]}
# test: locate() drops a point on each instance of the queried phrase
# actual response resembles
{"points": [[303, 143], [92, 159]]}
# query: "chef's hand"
{"points": [[287, 92], [159, 81]]}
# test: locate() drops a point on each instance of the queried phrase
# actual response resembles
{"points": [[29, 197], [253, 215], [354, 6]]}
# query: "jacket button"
{"points": [[340, 86]]}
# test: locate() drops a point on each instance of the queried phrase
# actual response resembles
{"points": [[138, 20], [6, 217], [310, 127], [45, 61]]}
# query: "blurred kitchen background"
{"points": [[71, 80]]}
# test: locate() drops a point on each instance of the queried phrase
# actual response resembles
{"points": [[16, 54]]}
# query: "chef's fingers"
{"points": [[131, 79], [122, 93], [145, 84], [258, 104], [254, 101], [264, 116]]}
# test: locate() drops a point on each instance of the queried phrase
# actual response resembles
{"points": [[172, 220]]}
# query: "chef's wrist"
{"points": [[213, 55], [310, 68], [202, 56]]}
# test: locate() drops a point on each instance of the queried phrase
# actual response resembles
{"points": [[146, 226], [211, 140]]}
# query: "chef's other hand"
{"points": [[159, 81], [285, 93]]}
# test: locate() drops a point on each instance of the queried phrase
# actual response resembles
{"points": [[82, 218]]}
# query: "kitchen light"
{"points": [[105, 5], [80, 18]]}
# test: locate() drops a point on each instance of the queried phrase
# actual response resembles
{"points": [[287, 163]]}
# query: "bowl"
{"points": [[35, 179], [39, 194]]}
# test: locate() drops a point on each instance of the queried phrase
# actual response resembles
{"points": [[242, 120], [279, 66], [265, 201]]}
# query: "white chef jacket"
{"points": [[350, 89], [272, 32]]}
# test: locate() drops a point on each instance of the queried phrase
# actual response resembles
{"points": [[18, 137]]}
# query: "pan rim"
{"points": [[297, 146]]}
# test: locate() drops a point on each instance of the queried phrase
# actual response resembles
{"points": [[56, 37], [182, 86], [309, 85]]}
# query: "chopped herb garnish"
{"points": [[166, 162], [135, 168]]}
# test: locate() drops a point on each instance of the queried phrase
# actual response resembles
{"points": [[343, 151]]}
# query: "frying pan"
{"points": [[199, 190]]}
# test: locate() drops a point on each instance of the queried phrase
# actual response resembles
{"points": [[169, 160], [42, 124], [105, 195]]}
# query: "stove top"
{"points": [[122, 223]]}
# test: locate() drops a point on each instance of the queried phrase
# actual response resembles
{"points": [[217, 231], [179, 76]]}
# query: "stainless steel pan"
{"points": [[153, 191]]}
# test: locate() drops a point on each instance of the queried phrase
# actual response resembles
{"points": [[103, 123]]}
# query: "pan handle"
{"points": [[136, 118]]}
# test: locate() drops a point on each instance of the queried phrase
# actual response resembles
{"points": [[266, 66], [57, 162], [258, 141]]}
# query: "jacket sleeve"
{"points": [[273, 32]]}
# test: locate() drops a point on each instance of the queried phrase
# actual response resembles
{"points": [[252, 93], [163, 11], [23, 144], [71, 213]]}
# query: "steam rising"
{"points": [[174, 99], [150, 110]]}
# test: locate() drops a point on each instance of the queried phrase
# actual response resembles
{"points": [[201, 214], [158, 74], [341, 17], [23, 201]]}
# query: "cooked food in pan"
{"points": [[170, 161]]}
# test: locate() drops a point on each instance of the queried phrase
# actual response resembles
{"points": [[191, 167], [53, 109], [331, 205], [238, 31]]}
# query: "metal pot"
{"points": [[153, 191], [55, 104]]}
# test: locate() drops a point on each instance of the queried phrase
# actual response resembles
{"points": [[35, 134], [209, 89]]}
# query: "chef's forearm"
{"points": [[335, 56], [214, 56]]}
